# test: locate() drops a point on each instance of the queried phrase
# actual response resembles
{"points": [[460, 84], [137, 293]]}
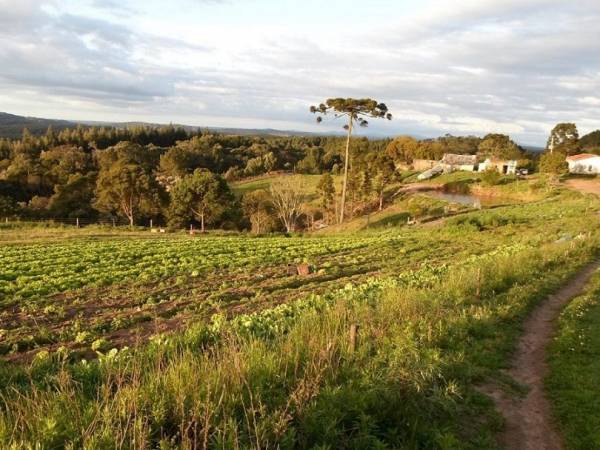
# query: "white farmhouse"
{"points": [[584, 163], [505, 166]]}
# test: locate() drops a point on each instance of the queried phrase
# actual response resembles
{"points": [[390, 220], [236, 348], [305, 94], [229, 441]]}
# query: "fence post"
{"points": [[77, 222], [353, 337], [150, 223]]}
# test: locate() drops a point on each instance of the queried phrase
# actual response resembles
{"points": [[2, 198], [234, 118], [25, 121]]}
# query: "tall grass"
{"points": [[407, 383]]}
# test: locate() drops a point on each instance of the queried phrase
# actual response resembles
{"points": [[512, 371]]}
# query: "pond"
{"points": [[470, 200]]}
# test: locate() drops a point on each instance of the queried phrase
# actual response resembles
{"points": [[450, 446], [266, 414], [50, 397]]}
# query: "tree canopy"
{"points": [[356, 111]]}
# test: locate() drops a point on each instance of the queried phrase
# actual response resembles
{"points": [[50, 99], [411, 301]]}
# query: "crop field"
{"points": [[99, 332]]}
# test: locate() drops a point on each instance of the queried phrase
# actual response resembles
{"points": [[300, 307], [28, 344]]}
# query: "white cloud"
{"points": [[516, 66]]}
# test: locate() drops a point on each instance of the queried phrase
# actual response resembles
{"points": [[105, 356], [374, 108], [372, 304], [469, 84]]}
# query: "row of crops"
{"points": [[87, 292], [40, 269]]}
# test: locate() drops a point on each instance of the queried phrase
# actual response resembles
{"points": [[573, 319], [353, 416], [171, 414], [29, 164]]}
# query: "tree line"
{"points": [[179, 177]]}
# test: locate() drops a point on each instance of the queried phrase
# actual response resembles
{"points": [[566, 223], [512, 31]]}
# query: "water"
{"points": [[470, 200]]}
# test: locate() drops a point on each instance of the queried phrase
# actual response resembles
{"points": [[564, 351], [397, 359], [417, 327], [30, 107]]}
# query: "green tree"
{"points": [[126, 189], [499, 146], [553, 162], [326, 193], [356, 111], [258, 207], [385, 171], [201, 195], [74, 198], [564, 138], [589, 143], [326, 190], [403, 149]]}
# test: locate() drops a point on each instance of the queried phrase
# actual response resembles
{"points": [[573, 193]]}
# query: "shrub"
{"points": [[491, 177]]}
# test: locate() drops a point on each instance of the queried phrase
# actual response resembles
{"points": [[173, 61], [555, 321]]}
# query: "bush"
{"points": [[491, 177]]}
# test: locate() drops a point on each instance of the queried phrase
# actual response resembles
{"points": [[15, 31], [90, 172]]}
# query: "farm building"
{"points": [[423, 164], [584, 163], [506, 166], [452, 162]]}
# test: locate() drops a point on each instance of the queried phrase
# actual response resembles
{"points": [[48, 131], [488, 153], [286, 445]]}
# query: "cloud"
{"points": [[517, 66]]}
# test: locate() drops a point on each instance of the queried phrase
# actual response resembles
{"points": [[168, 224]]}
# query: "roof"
{"points": [[459, 160], [581, 156], [495, 160]]}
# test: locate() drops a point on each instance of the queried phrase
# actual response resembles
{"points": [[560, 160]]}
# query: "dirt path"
{"points": [[528, 419], [585, 186]]}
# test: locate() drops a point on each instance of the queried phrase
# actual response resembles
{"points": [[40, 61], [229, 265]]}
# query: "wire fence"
{"points": [[77, 222]]}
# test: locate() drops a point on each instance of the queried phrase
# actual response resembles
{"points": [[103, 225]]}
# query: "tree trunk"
{"points": [[202, 223], [346, 160], [131, 221], [381, 200]]}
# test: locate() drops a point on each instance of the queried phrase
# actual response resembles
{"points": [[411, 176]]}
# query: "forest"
{"points": [[177, 177]]}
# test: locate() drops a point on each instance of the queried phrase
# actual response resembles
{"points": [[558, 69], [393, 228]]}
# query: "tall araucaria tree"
{"points": [[357, 111]]}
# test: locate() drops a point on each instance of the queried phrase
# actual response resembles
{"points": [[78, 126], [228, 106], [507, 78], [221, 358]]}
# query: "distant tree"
{"points": [[385, 171], [8, 206], [326, 190], [254, 166], [74, 198], [202, 195], [258, 207], [403, 149], [326, 193], [590, 142], [59, 163], [287, 196], [355, 110], [269, 161], [499, 146], [564, 138], [125, 189], [553, 162], [233, 174]]}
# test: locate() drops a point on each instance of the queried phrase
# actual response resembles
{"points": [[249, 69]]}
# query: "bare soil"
{"points": [[587, 186], [528, 420]]}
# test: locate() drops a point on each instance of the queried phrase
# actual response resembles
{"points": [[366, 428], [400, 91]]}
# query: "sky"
{"points": [[441, 66]]}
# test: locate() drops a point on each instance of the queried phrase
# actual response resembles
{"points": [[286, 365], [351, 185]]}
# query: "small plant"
{"points": [[100, 345], [82, 337]]}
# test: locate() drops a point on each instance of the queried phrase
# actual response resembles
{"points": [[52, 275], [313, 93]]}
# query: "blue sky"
{"points": [[460, 67]]}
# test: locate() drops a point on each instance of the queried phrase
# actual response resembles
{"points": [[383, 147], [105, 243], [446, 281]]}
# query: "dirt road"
{"points": [[587, 186], [528, 419]]}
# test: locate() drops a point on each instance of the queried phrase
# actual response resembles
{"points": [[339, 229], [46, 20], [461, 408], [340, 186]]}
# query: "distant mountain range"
{"points": [[11, 126]]}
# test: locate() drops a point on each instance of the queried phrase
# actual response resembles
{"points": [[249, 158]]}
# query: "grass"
{"points": [[307, 182], [438, 311], [424, 339], [575, 371]]}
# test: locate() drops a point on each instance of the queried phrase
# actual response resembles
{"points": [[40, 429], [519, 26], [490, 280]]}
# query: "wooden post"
{"points": [[353, 337], [77, 222], [150, 223], [191, 229]]}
